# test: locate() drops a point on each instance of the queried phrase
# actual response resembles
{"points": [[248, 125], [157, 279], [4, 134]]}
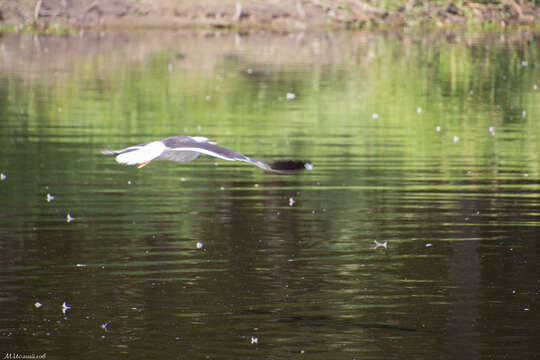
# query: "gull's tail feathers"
{"points": [[136, 156], [107, 151]]}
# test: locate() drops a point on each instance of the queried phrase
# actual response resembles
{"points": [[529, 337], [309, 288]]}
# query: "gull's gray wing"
{"points": [[208, 149], [180, 156], [220, 152]]}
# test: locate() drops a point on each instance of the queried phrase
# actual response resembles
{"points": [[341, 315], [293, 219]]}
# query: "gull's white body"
{"points": [[146, 153]]}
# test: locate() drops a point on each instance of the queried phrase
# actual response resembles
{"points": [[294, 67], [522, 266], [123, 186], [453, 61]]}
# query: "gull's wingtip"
{"points": [[290, 166]]}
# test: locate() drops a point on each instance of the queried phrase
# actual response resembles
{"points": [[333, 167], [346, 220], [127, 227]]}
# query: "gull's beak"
{"points": [[213, 142]]}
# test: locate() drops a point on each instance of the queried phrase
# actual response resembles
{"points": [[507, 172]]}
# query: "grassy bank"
{"points": [[63, 15]]}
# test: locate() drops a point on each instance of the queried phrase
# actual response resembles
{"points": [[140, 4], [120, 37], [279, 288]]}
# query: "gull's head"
{"points": [[200, 139]]}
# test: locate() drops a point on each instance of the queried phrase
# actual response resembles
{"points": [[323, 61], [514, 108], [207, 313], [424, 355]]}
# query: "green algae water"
{"points": [[414, 236]]}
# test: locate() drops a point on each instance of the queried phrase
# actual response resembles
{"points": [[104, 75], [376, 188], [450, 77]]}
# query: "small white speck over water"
{"points": [[65, 308], [380, 244]]}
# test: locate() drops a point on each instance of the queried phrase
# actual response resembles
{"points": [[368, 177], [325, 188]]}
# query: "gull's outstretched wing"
{"points": [[209, 149], [220, 152]]}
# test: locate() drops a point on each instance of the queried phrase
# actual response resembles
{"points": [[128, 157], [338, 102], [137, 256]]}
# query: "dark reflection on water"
{"points": [[212, 259]]}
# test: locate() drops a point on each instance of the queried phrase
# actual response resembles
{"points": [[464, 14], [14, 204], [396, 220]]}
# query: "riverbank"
{"points": [[51, 15]]}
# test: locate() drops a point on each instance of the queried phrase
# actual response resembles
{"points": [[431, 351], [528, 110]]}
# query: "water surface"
{"points": [[428, 145]]}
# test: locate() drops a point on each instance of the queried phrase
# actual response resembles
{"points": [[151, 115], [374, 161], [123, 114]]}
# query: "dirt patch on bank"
{"points": [[275, 14]]}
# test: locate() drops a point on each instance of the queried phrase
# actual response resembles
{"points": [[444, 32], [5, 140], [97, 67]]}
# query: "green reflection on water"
{"points": [[380, 99], [366, 113]]}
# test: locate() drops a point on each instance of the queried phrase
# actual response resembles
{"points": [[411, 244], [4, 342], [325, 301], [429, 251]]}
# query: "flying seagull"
{"points": [[188, 148]]}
